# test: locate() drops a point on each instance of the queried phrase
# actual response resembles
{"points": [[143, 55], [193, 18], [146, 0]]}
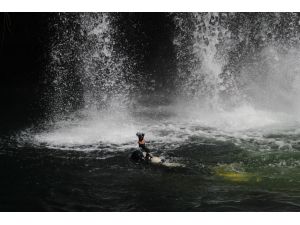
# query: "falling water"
{"points": [[235, 62], [202, 44], [93, 81], [89, 71]]}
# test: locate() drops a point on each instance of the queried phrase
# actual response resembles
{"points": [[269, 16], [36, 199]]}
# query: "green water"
{"points": [[257, 171]]}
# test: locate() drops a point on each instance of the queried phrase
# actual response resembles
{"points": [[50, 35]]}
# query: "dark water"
{"points": [[213, 175]]}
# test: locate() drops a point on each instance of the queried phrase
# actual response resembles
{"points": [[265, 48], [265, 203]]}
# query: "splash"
{"points": [[90, 130]]}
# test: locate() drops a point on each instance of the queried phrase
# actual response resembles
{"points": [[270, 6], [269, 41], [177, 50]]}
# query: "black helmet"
{"points": [[140, 134]]}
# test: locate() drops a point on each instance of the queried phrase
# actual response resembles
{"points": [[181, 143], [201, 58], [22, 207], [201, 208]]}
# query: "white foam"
{"points": [[115, 130], [111, 128]]}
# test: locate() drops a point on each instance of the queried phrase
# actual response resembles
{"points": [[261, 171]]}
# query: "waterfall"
{"points": [[228, 59], [88, 71], [233, 71]]}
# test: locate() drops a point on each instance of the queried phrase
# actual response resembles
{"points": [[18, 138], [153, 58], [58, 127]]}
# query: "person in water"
{"points": [[142, 144]]}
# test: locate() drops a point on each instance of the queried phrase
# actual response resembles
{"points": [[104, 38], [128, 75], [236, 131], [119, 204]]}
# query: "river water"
{"points": [[84, 165]]}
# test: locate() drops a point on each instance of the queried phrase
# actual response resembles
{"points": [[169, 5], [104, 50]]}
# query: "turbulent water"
{"points": [[229, 133]]}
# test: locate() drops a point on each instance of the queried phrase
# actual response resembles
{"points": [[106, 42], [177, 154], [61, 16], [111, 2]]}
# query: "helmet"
{"points": [[140, 134]]}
